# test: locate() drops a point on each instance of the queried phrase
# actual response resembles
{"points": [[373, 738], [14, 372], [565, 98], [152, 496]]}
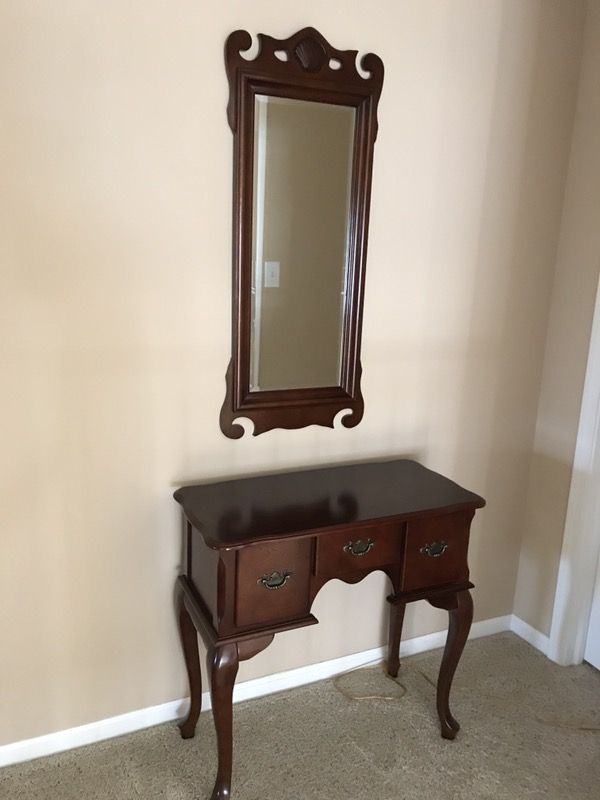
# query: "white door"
{"points": [[592, 646], [575, 636]]}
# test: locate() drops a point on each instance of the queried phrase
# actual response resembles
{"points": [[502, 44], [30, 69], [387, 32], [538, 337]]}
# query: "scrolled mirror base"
{"points": [[289, 413]]}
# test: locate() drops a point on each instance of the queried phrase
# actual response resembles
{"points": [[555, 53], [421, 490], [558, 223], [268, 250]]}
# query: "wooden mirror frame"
{"points": [[305, 74]]}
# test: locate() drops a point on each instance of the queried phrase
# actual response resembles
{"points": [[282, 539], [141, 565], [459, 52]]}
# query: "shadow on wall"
{"points": [[527, 161], [548, 496]]}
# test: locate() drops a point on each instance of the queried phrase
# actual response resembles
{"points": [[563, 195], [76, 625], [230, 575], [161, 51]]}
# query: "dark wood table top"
{"points": [[238, 512]]}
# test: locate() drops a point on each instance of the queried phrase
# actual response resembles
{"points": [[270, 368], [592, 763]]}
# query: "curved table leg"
{"points": [[189, 640], [397, 609], [223, 664], [460, 609]]}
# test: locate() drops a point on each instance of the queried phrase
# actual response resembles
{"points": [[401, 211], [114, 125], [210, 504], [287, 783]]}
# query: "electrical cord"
{"points": [[362, 697]]}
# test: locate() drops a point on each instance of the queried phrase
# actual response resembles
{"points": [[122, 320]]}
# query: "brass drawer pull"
{"points": [[275, 580], [360, 547], [434, 550]]}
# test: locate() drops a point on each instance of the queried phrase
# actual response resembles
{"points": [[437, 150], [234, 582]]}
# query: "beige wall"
{"points": [[115, 321], [573, 298]]}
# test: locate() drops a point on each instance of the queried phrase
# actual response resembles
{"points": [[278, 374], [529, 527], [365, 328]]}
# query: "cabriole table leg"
{"points": [[397, 609], [189, 641], [460, 609], [223, 664]]}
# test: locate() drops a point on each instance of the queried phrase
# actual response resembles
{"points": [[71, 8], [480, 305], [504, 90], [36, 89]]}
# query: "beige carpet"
{"points": [[530, 730]]}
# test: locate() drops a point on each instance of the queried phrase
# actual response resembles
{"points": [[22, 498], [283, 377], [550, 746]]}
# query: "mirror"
{"points": [[302, 179], [304, 121]]}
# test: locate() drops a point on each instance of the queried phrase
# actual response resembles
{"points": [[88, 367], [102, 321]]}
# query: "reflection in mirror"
{"points": [[302, 181]]}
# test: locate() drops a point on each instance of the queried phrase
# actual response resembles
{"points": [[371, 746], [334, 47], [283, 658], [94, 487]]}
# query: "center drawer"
{"points": [[359, 549]]}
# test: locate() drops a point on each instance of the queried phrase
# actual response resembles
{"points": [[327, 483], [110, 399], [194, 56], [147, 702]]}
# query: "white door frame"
{"points": [[581, 542]]}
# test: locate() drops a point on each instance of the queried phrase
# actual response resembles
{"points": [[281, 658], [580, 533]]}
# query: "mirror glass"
{"points": [[302, 180]]}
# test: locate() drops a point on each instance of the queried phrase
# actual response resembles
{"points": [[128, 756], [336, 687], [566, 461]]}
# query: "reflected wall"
{"points": [[302, 177]]}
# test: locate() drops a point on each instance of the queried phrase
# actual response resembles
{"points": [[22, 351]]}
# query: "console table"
{"points": [[259, 549]]}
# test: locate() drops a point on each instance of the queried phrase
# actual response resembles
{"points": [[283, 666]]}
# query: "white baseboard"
{"points": [[279, 682], [258, 687], [88, 734], [538, 640]]}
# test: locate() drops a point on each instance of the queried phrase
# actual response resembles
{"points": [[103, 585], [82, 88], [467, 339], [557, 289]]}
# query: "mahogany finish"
{"points": [[339, 554], [305, 74], [460, 608], [451, 566], [263, 560], [235, 512], [189, 640], [397, 609], [260, 549]]}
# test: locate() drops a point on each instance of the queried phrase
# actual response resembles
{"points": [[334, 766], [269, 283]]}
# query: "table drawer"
{"points": [[436, 551], [359, 549], [272, 581]]}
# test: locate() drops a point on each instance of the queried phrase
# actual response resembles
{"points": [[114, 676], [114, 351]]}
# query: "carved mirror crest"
{"points": [[304, 122]]}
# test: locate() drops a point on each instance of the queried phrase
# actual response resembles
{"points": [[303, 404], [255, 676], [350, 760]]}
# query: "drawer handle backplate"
{"points": [[434, 550], [275, 580], [360, 547]]}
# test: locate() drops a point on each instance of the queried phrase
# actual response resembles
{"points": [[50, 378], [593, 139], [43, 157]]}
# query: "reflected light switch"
{"points": [[271, 274]]}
